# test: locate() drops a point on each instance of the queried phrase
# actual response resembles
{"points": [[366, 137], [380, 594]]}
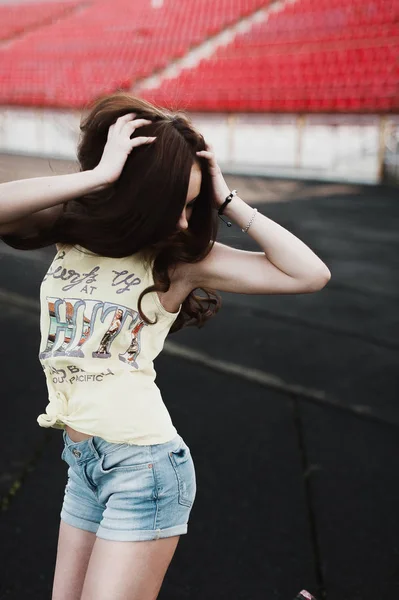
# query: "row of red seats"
{"points": [[343, 57], [382, 87], [356, 5], [311, 56], [306, 59], [352, 35], [293, 72], [266, 35], [246, 103], [356, 73], [305, 5], [297, 72], [315, 46], [241, 104], [75, 97], [297, 88], [323, 23], [228, 101]]}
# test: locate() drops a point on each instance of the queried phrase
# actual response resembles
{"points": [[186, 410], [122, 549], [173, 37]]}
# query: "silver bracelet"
{"points": [[250, 221]]}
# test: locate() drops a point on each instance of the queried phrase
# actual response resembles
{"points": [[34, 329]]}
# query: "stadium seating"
{"points": [[307, 56], [311, 56], [107, 44], [15, 19]]}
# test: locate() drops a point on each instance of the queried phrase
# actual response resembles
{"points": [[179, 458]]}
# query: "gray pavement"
{"points": [[288, 404]]}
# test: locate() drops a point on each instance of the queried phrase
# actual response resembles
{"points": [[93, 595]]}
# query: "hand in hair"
{"points": [[119, 145], [219, 185]]}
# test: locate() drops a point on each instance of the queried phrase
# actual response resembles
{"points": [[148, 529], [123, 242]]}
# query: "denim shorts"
{"points": [[128, 492]]}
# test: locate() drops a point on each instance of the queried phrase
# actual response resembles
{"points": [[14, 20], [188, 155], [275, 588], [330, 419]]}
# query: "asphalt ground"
{"points": [[289, 405]]}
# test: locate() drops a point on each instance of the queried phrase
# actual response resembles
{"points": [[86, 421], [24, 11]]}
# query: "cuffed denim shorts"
{"points": [[128, 492]]}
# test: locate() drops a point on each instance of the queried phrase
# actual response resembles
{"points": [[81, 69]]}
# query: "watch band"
{"points": [[226, 202]]}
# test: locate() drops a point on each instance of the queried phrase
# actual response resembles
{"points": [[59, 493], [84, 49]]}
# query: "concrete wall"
{"points": [[326, 147], [391, 158]]}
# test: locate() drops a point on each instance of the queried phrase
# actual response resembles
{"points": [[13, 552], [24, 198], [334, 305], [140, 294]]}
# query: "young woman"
{"points": [[135, 231]]}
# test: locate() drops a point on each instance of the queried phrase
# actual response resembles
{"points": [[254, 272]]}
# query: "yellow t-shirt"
{"points": [[96, 351]]}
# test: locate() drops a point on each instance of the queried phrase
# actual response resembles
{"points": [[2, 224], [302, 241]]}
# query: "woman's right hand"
{"points": [[118, 147]]}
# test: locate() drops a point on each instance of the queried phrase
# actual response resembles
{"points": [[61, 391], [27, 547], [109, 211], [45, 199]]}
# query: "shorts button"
{"points": [[76, 452]]}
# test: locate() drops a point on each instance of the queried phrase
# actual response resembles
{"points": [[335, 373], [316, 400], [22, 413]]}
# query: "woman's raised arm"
{"points": [[19, 199], [285, 266]]}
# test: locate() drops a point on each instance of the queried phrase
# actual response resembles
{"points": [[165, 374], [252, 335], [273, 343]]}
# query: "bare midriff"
{"points": [[76, 436]]}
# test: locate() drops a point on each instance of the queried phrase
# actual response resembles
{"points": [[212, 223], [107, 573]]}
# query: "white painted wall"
{"points": [[332, 147], [39, 132]]}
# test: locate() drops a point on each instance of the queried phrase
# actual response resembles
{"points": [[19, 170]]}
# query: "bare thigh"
{"points": [[128, 570], [73, 554]]}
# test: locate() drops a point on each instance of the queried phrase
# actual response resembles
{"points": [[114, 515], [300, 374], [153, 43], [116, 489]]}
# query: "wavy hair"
{"points": [[140, 211]]}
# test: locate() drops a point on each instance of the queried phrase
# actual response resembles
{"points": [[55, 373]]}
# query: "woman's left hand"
{"points": [[220, 187]]}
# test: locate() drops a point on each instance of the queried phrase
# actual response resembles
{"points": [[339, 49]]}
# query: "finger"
{"points": [[126, 117], [206, 154], [110, 130], [138, 141], [120, 121], [138, 123]]}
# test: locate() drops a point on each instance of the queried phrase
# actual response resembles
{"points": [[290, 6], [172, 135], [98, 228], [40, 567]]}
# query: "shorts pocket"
{"points": [[125, 460], [183, 466]]}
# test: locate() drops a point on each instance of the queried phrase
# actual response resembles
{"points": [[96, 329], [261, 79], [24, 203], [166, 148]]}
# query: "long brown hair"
{"points": [[140, 211]]}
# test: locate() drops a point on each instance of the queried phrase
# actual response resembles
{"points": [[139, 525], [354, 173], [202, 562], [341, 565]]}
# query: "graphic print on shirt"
{"points": [[134, 349], [67, 337], [122, 280], [74, 374], [109, 336]]}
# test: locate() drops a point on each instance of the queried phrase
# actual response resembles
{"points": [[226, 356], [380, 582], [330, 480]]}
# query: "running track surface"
{"points": [[289, 405]]}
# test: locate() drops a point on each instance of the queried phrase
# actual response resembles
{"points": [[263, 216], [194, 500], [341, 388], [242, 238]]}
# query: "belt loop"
{"points": [[93, 447]]}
